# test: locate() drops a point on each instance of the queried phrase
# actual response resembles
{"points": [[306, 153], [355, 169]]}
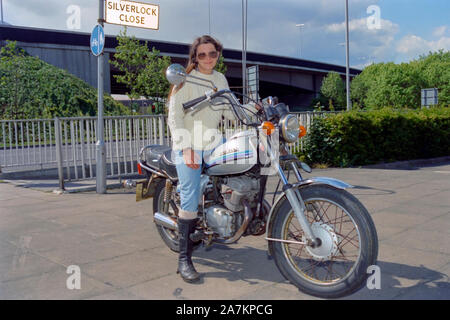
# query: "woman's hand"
{"points": [[191, 159]]}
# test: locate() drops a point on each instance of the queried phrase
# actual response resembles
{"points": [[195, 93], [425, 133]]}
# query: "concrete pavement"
{"points": [[113, 241]]}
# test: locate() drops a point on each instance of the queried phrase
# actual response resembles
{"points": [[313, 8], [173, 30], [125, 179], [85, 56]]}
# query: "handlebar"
{"points": [[230, 97], [193, 102]]}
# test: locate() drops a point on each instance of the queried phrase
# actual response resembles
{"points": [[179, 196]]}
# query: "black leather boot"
{"points": [[185, 266]]}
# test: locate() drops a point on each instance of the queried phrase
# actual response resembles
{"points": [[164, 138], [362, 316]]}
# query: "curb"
{"points": [[409, 164], [86, 189], [56, 190]]}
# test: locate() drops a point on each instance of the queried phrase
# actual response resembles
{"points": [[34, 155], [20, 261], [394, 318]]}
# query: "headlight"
{"points": [[290, 128]]}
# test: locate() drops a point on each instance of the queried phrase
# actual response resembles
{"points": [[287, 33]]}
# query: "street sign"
{"points": [[133, 14], [429, 97], [97, 40]]}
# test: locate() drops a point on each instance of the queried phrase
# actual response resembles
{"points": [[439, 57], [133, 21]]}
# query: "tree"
{"points": [[143, 70], [399, 85], [435, 70], [31, 88], [221, 66], [333, 89]]}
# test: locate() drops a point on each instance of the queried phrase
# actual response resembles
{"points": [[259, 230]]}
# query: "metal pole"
{"points": [[1, 2], [300, 42], [59, 153], [244, 49], [300, 25], [209, 16], [347, 58], [100, 146]]}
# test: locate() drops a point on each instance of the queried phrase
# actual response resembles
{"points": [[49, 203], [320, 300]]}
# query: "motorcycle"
{"points": [[320, 236]]}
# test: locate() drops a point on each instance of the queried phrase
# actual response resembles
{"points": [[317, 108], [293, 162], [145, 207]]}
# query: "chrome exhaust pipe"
{"points": [[165, 221], [129, 184]]}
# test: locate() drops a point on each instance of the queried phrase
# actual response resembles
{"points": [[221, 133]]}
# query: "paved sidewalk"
{"points": [[113, 240], [52, 185]]}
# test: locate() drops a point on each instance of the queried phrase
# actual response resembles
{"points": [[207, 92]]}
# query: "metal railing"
{"points": [[70, 143]]}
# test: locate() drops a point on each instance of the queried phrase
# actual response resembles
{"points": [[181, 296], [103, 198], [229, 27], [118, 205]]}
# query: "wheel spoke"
{"points": [[348, 240], [311, 263]]}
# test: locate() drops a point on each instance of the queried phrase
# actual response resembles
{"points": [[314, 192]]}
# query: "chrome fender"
{"points": [[336, 183]]}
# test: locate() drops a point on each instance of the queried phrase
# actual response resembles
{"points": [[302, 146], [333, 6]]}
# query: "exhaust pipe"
{"points": [[165, 221], [129, 184]]}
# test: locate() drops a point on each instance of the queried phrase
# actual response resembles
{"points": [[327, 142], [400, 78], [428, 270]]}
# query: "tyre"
{"points": [[170, 237], [338, 267]]}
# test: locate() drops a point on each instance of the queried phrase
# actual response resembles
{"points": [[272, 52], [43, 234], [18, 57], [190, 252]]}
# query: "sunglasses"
{"points": [[211, 54]]}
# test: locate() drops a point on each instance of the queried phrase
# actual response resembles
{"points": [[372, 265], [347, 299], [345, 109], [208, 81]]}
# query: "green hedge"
{"points": [[386, 135], [31, 88]]}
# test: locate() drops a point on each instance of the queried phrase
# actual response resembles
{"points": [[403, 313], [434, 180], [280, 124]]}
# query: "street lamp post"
{"points": [[347, 58], [244, 49], [209, 16], [1, 2], [300, 26]]}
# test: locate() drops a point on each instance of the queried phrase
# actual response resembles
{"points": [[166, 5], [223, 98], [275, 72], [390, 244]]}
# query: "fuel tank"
{"points": [[237, 155]]}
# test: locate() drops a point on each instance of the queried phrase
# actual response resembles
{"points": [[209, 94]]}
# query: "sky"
{"points": [[380, 30]]}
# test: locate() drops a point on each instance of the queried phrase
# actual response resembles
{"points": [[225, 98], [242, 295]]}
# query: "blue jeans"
{"points": [[189, 181]]}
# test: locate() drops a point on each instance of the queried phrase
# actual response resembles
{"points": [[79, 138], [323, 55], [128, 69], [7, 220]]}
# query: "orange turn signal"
{"points": [[302, 132], [139, 168], [268, 128]]}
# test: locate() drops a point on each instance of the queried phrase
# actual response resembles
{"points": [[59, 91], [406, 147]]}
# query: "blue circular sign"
{"points": [[97, 40]]}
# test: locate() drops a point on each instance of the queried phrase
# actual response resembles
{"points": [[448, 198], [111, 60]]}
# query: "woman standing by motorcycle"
{"points": [[190, 140]]}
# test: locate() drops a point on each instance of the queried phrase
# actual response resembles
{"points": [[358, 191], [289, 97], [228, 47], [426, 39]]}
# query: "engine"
{"points": [[226, 219], [222, 221], [235, 189]]}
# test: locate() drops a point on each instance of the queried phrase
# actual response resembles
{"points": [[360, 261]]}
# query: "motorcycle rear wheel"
{"points": [[349, 243], [170, 237]]}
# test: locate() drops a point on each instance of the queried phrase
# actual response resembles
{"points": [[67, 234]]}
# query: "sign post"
{"points": [[97, 45], [126, 13]]}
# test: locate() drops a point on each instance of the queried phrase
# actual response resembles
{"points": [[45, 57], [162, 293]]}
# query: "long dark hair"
{"points": [[192, 62]]}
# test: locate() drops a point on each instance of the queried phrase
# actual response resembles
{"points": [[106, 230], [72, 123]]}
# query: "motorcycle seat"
{"points": [[153, 154], [167, 165]]}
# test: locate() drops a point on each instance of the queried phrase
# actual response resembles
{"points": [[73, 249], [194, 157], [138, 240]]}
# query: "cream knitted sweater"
{"points": [[198, 130]]}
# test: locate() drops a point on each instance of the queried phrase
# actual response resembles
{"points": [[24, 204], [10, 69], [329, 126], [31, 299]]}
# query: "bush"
{"points": [[32, 88], [386, 135], [399, 85]]}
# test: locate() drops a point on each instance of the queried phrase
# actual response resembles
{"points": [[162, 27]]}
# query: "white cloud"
{"points": [[412, 46], [361, 25], [441, 31], [367, 44]]}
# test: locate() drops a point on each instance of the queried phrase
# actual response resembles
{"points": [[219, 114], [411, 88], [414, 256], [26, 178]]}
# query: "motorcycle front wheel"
{"points": [[349, 243]]}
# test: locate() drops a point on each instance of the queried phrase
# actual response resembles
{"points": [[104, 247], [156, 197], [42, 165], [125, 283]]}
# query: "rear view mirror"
{"points": [[176, 74]]}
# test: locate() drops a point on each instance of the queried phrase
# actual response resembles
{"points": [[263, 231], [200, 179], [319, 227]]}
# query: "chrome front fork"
{"points": [[295, 199]]}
